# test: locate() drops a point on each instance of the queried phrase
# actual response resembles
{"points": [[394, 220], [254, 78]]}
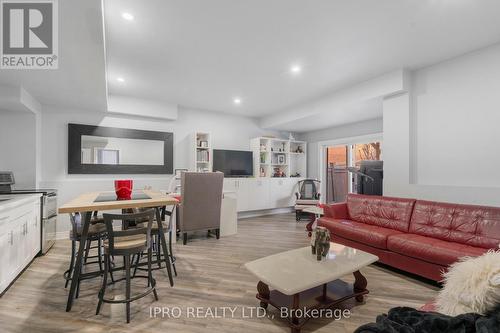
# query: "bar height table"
{"points": [[86, 203]]}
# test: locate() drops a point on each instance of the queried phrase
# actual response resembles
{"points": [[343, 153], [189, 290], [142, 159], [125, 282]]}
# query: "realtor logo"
{"points": [[28, 34]]}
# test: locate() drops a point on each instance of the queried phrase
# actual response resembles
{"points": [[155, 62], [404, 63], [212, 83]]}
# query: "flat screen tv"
{"points": [[233, 163]]}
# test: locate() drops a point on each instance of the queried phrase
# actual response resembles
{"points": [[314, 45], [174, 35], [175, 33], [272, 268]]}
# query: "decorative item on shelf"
{"points": [[272, 149], [262, 147], [203, 156], [262, 158], [123, 189], [278, 173], [299, 150], [281, 159], [320, 242], [203, 144], [283, 146], [290, 137], [295, 175], [262, 172]]}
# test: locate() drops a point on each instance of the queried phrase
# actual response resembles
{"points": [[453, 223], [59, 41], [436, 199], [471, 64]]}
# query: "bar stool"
{"points": [[157, 253], [126, 243], [97, 231]]}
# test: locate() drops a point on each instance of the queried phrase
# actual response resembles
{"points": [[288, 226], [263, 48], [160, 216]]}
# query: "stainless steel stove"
{"points": [[48, 207]]}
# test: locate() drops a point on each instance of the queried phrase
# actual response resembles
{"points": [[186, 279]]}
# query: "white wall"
{"points": [[18, 146], [228, 132], [313, 138], [440, 141]]}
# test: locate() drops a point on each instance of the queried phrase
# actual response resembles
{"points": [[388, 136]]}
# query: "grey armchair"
{"points": [[201, 202]]}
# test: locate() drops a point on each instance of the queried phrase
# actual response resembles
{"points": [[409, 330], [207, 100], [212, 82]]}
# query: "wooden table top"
{"points": [[86, 202]]}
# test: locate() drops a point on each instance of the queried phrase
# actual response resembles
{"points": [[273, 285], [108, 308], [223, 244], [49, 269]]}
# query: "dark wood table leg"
{"points": [[163, 242], [77, 269], [295, 319], [325, 289], [264, 293], [309, 225], [360, 284]]}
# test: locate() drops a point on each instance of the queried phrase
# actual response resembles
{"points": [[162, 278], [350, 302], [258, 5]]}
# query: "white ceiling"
{"points": [[80, 80], [201, 54], [359, 111]]}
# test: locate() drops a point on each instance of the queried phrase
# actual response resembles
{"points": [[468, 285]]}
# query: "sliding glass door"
{"points": [[342, 168]]}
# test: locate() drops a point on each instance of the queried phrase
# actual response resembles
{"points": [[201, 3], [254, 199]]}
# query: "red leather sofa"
{"points": [[417, 236]]}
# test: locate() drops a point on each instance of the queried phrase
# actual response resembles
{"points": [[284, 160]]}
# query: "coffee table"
{"points": [[296, 280]]}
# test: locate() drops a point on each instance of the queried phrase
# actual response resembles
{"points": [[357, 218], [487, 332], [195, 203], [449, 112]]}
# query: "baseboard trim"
{"points": [[256, 213]]}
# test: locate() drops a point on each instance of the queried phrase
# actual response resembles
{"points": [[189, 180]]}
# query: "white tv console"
{"points": [[255, 194]]}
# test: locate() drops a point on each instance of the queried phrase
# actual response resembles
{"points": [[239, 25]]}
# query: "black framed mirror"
{"points": [[110, 150]]}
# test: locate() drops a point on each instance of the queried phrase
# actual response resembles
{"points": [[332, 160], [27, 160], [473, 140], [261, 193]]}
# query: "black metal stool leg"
{"points": [[151, 281], [71, 264], [158, 253], [87, 250], [171, 254], [99, 252], [108, 260], [127, 285], [77, 294], [104, 283], [139, 255]]}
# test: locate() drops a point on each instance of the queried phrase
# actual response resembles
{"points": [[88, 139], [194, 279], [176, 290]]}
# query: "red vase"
{"points": [[123, 189]]}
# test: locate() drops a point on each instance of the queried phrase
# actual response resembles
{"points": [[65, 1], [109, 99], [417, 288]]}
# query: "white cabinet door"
{"points": [[240, 187], [229, 216], [244, 197], [15, 250], [291, 189], [230, 184], [259, 192], [282, 192], [34, 232], [4, 258], [25, 246]]}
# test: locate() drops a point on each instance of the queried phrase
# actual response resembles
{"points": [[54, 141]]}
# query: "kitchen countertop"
{"points": [[16, 200]]}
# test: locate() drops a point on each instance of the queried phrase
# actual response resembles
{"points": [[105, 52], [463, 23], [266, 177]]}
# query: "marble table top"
{"points": [[298, 270], [314, 210]]}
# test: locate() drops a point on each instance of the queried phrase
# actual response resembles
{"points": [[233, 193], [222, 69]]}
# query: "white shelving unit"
{"points": [[279, 158], [201, 157]]}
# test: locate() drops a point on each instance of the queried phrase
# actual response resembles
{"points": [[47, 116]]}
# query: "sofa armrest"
{"points": [[336, 210]]}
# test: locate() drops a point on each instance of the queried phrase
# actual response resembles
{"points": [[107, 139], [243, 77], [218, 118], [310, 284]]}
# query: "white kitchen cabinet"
{"points": [[4, 256], [19, 237]]}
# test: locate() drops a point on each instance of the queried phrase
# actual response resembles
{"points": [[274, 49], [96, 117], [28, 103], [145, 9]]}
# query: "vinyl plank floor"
{"points": [[211, 275]]}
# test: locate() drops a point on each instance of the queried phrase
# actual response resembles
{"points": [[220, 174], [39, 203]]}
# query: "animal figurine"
{"points": [[320, 242]]}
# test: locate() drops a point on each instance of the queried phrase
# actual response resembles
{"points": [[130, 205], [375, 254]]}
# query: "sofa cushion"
{"points": [[466, 224], [431, 249], [360, 232], [386, 212], [336, 210]]}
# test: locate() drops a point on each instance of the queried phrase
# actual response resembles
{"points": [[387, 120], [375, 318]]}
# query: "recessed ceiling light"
{"points": [[237, 100], [295, 69], [128, 16], [120, 79]]}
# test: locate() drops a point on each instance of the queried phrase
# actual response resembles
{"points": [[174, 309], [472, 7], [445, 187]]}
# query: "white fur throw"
{"points": [[471, 285]]}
